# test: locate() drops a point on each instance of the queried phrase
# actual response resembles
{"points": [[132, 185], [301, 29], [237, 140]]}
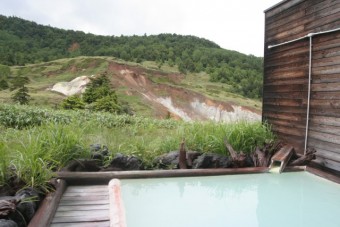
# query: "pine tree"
{"points": [[21, 96], [3, 85]]}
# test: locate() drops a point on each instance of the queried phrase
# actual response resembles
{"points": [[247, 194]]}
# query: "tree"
{"points": [[18, 82], [73, 102], [4, 71], [98, 96], [3, 85], [21, 96], [107, 103], [98, 87]]}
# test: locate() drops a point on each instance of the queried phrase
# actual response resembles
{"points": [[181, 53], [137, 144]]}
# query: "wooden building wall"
{"points": [[286, 74]]}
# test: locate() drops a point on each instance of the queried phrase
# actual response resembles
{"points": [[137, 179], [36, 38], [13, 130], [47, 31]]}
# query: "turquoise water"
{"points": [[265, 200]]}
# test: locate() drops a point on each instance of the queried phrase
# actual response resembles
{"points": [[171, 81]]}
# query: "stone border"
{"points": [[45, 213]]}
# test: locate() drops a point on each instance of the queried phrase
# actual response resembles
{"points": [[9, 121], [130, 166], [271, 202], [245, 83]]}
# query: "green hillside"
{"points": [[23, 42], [163, 81]]}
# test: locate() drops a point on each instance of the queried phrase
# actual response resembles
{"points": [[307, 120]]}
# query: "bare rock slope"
{"points": [[165, 99]]}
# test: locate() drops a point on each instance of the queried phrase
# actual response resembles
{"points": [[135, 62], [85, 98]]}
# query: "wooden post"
{"points": [[182, 156]]}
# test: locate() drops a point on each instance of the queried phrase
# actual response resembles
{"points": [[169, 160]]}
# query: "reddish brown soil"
{"points": [[138, 81]]}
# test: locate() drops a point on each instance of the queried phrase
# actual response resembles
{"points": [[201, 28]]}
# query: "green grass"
{"points": [[39, 152], [165, 67], [49, 139], [36, 141], [200, 83]]}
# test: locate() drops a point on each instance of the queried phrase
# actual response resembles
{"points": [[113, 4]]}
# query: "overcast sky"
{"points": [[232, 24]]}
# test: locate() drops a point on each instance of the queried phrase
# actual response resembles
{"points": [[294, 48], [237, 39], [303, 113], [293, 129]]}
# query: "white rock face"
{"points": [[204, 111], [167, 102], [76, 86], [216, 113]]}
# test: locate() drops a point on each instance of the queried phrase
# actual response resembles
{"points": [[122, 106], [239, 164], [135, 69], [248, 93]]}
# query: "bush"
{"points": [[73, 102], [108, 104], [99, 97]]}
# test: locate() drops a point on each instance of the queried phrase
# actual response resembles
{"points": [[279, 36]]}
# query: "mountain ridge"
{"points": [[23, 42]]}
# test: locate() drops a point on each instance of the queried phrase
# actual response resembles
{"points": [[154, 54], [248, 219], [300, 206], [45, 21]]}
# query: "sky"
{"points": [[232, 24]]}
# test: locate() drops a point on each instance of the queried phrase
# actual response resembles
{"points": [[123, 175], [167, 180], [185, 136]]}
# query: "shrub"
{"points": [[107, 103], [73, 102]]}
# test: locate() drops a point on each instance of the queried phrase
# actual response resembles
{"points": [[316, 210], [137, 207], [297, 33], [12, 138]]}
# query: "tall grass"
{"points": [[16, 116], [4, 164], [36, 142], [210, 136], [34, 154]]}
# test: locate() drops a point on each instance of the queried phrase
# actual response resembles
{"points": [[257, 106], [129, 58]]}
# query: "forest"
{"points": [[23, 42]]}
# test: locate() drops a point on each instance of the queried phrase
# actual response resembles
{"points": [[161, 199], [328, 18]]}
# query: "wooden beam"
{"points": [[88, 178], [117, 211], [323, 174], [46, 211], [83, 224], [281, 7]]}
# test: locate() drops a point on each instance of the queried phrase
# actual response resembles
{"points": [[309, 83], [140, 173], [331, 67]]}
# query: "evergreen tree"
{"points": [[18, 82], [98, 87], [21, 96], [3, 85], [73, 102]]}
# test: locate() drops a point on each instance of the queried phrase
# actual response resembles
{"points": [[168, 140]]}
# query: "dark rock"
{"points": [[167, 161], [119, 161], [209, 160], [30, 194], [22, 207], [7, 223], [249, 161], [191, 156], [98, 156], [99, 152], [6, 191], [82, 165], [203, 161], [29, 202], [26, 209], [171, 160], [18, 218], [125, 162], [95, 147], [12, 185], [133, 163]]}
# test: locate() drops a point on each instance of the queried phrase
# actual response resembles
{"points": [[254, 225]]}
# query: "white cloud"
{"points": [[233, 24]]}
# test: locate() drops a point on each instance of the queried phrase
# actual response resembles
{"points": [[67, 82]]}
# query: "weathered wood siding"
{"points": [[286, 76]]}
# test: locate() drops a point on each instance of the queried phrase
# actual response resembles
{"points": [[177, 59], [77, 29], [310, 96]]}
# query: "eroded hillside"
{"points": [[150, 90]]}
